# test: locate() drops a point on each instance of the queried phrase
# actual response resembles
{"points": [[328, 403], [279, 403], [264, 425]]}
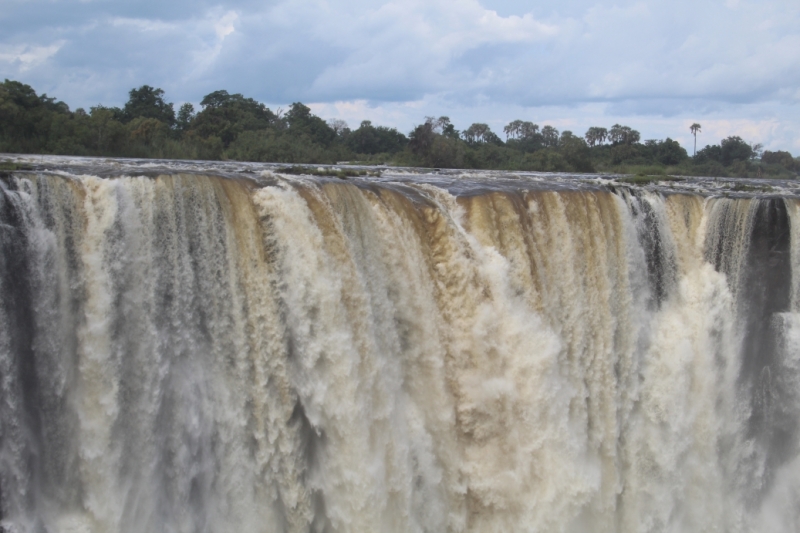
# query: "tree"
{"points": [[575, 151], [623, 135], [595, 135], [479, 133], [107, 133], [302, 122], [734, 149], [421, 138], [757, 148], [781, 158], [148, 102], [521, 130], [550, 136], [437, 143], [443, 126], [217, 99], [24, 97], [711, 152], [185, 116], [512, 129], [670, 152], [340, 126], [368, 139], [528, 131], [26, 119], [225, 116], [147, 131], [694, 129], [524, 136], [474, 133], [446, 152]]}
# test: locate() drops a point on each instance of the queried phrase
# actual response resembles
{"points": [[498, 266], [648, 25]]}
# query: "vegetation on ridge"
{"points": [[232, 126]]}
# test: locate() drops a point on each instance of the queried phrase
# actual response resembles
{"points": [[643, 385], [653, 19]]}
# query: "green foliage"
{"points": [[741, 187], [147, 131], [107, 134], [26, 119], [480, 133], [488, 156], [227, 116], [437, 144], [596, 136], [302, 123], [549, 137], [623, 135], [8, 166], [447, 129], [421, 138], [670, 152], [148, 102], [185, 117], [712, 169], [446, 152], [695, 128], [576, 152], [711, 152], [280, 147], [731, 150], [778, 164], [626, 153], [231, 126], [547, 160], [521, 130], [368, 139], [783, 159], [734, 149], [524, 136]]}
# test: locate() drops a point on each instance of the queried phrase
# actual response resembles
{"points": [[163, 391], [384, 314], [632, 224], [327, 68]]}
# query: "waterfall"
{"points": [[187, 350]]}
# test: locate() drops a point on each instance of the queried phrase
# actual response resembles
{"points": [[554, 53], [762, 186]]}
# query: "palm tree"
{"points": [[595, 135], [513, 129], [591, 136], [695, 128]]}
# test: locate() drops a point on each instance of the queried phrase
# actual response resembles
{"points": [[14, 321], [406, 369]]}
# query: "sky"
{"points": [[658, 66]]}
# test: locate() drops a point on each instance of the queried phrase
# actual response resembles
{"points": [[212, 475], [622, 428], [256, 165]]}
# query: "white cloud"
{"points": [[209, 44], [397, 45], [25, 57], [143, 24], [576, 63], [226, 24]]}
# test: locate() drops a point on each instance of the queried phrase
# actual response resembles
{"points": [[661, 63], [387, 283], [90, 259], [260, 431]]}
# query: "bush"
{"points": [[446, 153], [547, 160], [734, 149], [670, 152], [783, 159]]}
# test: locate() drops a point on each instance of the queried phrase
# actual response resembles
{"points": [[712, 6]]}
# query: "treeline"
{"points": [[232, 126]]}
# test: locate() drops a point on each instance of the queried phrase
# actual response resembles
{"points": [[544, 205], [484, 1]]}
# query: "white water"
{"points": [[192, 353]]}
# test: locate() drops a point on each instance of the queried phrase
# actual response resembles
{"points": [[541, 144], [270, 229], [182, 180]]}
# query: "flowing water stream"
{"points": [[199, 347]]}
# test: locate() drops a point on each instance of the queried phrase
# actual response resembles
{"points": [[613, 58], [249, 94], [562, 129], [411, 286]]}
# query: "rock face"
{"points": [[192, 349]]}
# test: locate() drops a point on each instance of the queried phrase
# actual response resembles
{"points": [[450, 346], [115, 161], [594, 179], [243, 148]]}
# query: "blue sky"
{"points": [[657, 66]]}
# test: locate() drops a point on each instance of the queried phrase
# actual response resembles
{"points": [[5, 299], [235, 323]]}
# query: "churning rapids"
{"points": [[200, 347]]}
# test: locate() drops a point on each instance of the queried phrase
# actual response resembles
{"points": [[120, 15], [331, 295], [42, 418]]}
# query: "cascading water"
{"points": [[193, 349]]}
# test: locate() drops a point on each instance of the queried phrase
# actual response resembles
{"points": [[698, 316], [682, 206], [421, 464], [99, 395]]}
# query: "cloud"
{"points": [[207, 51], [627, 59], [403, 50], [24, 57], [226, 24]]}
